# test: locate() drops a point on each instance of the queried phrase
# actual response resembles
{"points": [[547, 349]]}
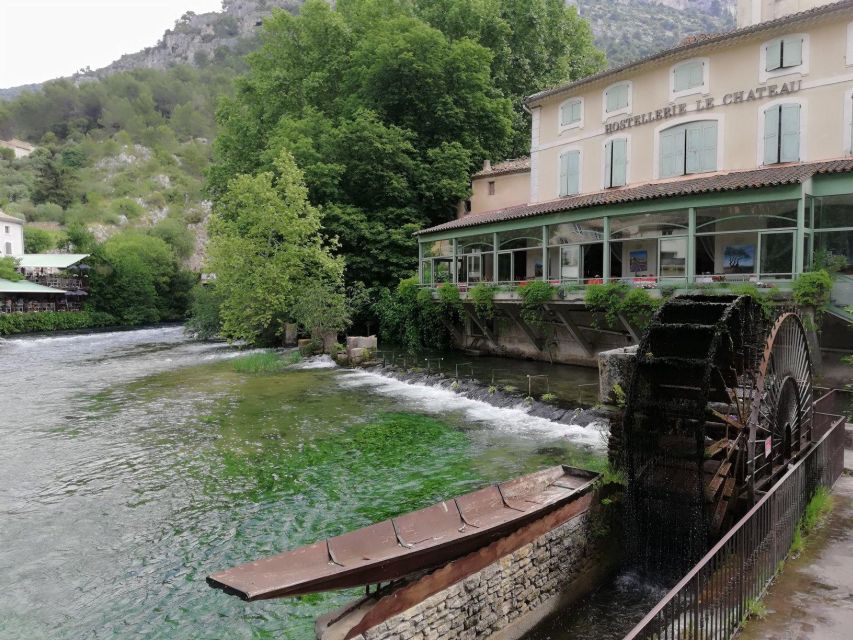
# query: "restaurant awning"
{"points": [[50, 260], [25, 286]]}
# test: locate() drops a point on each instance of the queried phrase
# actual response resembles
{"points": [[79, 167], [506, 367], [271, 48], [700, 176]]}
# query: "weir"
{"points": [[718, 426]]}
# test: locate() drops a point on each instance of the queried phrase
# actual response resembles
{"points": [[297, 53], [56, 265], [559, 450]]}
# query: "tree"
{"points": [[135, 279], [55, 180], [9, 269], [37, 240], [389, 105], [267, 251]]}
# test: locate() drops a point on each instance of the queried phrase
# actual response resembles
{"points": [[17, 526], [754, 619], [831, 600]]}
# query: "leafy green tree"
{"points": [[204, 318], [55, 180], [267, 251], [37, 240], [9, 269], [78, 239], [134, 279]]}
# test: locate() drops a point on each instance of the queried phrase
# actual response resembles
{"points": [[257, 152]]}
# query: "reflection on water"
{"points": [[132, 464]]}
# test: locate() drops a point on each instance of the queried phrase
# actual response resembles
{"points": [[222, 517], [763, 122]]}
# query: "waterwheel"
{"points": [[716, 408]]}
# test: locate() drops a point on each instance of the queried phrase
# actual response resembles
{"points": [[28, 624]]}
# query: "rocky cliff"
{"points": [[196, 38]]}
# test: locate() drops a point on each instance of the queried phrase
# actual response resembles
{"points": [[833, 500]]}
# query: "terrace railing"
{"points": [[713, 600]]}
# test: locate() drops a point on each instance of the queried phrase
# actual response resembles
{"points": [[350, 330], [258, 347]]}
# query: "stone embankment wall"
{"points": [[505, 598], [558, 345]]}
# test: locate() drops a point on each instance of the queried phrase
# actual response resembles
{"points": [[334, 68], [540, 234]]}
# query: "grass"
{"points": [[266, 362], [816, 511]]}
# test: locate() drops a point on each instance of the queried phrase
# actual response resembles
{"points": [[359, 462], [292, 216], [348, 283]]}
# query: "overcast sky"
{"points": [[45, 39]]}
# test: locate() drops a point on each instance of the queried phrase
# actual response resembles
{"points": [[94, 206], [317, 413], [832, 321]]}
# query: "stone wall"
{"points": [[508, 597], [558, 344]]}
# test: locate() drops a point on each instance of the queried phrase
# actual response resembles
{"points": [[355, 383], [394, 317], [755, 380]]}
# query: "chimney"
{"points": [[487, 165]]}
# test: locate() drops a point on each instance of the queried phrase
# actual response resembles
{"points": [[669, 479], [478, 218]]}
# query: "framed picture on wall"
{"points": [[739, 258], [638, 261]]}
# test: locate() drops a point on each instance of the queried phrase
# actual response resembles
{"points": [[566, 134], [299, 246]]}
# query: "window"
{"points": [[570, 168], [571, 112], [616, 163], [8, 248], [688, 148], [491, 187], [468, 206], [7, 228], [617, 98], [784, 53], [782, 133], [688, 76]]}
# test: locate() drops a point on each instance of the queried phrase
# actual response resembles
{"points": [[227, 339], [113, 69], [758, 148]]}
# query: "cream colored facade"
{"points": [[490, 192], [736, 94], [11, 236], [751, 12]]}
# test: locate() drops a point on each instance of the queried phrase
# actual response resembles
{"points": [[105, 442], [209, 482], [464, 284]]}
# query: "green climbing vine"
{"points": [[534, 296], [449, 299], [483, 297], [616, 299], [812, 289]]}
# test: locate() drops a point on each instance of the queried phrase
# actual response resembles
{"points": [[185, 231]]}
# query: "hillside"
{"points": [[132, 140], [630, 29]]}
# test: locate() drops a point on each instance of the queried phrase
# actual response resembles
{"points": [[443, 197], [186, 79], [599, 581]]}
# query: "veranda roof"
{"points": [[51, 260], [25, 286]]}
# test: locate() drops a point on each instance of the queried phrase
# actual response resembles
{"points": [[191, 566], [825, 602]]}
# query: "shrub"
{"points": [[606, 299], [15, 323], [204, 319], [449, 298], [616, 298], [37, 240], [534, 295], [483, 297], [812, 290]]}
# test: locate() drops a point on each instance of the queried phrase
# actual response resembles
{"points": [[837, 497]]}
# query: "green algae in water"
{"points": [[266, 362]]}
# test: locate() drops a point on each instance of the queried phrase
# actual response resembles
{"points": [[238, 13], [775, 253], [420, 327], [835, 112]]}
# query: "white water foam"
{"points": [[436, 400], [131, 335], [317, 362]]}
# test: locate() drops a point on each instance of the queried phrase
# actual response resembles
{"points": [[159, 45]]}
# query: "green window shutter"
{"points": [[672, 152], [564, 173], [570, 112], [573, 167], [611, 99], [771, 135], [682, 77], [688, 76], [693, 161], [617, 97], [709, 146], [774, 55], [576, 111], [701, 142], [697, 74], [619, 162], [789, 148], [608, 165], [792, 52]]}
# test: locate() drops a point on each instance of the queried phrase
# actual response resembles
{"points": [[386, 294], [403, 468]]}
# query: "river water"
{"points": [[133, 464]]}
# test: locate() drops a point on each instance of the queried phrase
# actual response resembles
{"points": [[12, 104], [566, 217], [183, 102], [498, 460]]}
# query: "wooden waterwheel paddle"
{"points": [[715, 411]]}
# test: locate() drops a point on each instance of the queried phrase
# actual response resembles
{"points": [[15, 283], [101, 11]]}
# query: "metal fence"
{"points": [[712, 601]]}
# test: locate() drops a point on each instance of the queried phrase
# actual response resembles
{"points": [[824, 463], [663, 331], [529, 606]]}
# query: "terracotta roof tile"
{"points": [[717, 182], [516, 165], [695, 43]]}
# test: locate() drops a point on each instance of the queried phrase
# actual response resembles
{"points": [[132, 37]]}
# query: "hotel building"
{"points": [[726, 158]]}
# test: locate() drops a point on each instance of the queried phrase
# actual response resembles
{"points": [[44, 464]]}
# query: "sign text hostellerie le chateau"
{"points": [[705, 104]]}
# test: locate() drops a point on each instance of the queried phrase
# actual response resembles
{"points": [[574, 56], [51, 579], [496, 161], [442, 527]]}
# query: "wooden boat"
{"points": [[395, 548]]}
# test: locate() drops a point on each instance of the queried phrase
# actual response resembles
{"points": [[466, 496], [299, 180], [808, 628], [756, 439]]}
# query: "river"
{"points": [[133, 464]]}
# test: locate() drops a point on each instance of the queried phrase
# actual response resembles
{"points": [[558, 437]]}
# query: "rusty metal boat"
{"points": [[417, 541]]}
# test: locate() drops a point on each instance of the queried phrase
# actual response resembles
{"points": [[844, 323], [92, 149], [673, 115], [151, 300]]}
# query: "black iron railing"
{"points": [[712, 601]]}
